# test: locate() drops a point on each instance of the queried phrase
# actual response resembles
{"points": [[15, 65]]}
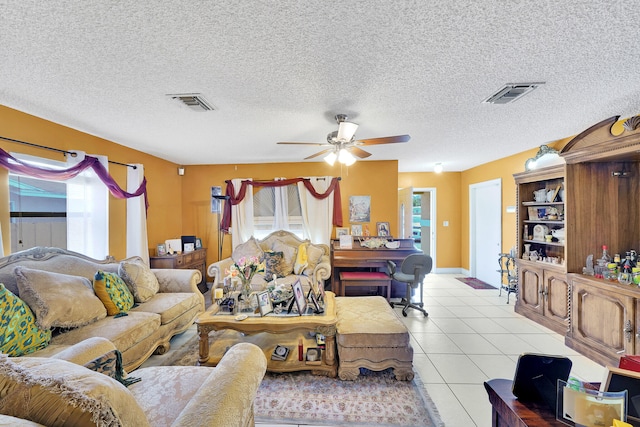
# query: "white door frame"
{"points": [[472, 220], [434, 221]]}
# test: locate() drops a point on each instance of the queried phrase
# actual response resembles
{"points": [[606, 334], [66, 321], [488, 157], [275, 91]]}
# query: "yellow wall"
{"points": [[163, 184], [377, 179]]}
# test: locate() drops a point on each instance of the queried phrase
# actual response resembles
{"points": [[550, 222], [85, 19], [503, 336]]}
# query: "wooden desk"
{"points": [[196, 260], [358, 257], [508, 411]]}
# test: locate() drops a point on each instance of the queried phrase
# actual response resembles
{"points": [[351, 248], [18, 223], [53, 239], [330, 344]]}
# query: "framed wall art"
{"points": [[383, 228]]}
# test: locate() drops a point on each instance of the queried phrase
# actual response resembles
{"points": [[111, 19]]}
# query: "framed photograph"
{"points": [[622, 379], [161, 249], [320, 293], [198, 243], [189, 247], [215, 202], [383, 228], [341, 231], [346, 241], [317, 308], [298, 296], [264, 303], [356, 230], [359, 208]]}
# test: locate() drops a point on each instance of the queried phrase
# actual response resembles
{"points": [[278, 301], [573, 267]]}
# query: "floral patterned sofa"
{"points": [[51, 293], [285, 255], [83, 386]]}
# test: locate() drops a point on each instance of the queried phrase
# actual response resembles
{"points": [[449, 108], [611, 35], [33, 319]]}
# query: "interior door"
{"points": [[486, 230], [405, 203]]}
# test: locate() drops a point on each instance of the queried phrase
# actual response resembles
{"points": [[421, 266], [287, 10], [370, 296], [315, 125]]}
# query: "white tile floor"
{"points": [[469, 337]]}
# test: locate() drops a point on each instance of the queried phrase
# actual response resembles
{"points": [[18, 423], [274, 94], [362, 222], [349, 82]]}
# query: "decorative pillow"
{"points": [[272, 265], [63, 393], [248, 249], [314, 255], [301, 259], [288, 256], [59, 300], [140, 280], [113, 293], [19, 333]]}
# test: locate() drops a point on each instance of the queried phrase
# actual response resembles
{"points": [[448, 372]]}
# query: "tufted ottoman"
{"points": [[370, 335]]}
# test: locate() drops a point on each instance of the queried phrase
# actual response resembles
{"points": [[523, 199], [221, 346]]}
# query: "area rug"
{"points": [[475, 283], [374, 399]]}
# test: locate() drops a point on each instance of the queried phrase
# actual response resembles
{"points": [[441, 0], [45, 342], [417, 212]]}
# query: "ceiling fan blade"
{"points": [[358, 152], [304, 143], [320, 153], [383, 140]]}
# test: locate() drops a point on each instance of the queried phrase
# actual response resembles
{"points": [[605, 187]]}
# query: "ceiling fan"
{"points": [[342, 143]]}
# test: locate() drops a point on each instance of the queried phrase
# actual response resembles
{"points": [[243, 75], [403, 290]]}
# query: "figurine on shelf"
{"points": [[589, 270]]}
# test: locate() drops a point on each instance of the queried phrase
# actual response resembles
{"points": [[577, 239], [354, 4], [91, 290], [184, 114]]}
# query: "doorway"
{"points": [[423, 222], [485, 229]]}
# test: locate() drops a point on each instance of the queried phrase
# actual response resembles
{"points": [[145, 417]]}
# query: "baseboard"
{"points": [[450, 271]]}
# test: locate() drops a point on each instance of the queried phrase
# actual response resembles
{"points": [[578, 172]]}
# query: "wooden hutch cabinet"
{"points": [[543, 293], [602, 207], [195, 260]]}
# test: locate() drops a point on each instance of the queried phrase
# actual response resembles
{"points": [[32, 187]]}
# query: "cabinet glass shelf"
{"points": [[544, 242], [542, 203]]}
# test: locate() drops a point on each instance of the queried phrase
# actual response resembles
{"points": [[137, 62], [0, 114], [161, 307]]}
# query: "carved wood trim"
{"points": [[599, 143]]}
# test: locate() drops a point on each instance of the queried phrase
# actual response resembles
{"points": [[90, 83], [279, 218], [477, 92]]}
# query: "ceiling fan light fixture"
{"points": [[331, 158], [346, 158], [346, 131]]}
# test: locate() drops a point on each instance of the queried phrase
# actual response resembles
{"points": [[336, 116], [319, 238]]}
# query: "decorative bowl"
{"points": [[393, 245]]}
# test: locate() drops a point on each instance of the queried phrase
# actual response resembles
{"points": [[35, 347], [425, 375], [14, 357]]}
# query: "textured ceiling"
{"points": [[280, 70]]}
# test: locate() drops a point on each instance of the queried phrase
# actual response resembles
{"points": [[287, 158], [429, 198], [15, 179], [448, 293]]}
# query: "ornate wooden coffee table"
{"points": [[269, 331]]}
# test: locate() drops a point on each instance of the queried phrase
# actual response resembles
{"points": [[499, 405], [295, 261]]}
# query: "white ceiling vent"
{"points": [[511, 92], [195, 101]]}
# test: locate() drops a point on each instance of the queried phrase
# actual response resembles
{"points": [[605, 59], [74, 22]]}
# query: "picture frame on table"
{"points": [[341, 231], [383, 228], [161, 249], [317, 308], [299, 297], [264, 303], [198, 243], [618, 379], [320, 292], [356, 229], [189, 247]]}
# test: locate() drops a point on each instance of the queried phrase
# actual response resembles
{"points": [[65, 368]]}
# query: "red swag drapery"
{"points": [[235, 198], [18, 166]]}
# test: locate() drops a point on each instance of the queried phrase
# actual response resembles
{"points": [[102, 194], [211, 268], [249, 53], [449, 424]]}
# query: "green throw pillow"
{"points": [[273, 265], [19, 333], [113, 292]]}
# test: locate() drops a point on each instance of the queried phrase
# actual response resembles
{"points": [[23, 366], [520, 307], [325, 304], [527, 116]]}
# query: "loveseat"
{"points": [[78, 387], [285, 255], [58, 287]]}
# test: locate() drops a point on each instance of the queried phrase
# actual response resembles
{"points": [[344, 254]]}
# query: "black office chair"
{"points": [[412, 272]]}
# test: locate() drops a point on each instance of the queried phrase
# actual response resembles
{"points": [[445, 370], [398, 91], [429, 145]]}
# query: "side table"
{"points": [[195, 260], [508, 411]]}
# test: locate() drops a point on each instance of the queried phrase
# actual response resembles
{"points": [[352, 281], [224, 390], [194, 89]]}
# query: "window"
{"points": [[71, 214], [265, 217], [38, 209]]}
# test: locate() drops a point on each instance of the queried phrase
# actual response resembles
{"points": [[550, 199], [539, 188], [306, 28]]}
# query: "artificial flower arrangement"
{"points": [[244, 269]]}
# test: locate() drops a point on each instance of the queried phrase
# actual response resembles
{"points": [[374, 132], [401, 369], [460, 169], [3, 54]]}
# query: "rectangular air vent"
{"points": [[511, 92], [195, 101]]}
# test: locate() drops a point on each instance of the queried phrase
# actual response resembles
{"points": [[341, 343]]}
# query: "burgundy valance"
{"points": [[18, 166], [235, 198]]}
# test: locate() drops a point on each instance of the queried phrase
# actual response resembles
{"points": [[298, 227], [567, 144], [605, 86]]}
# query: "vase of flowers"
{"points": [[244, 269]]}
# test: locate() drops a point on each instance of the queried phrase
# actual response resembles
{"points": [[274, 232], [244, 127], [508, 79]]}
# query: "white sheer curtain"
{"points": [[242, 216], [137, 241], [281, 208], [317, 214], [88, 211]]}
